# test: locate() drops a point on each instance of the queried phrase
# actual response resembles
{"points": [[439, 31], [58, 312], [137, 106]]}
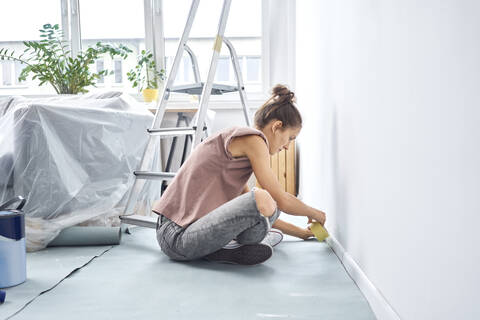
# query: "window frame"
{"points": [[253, 98], [102, 78], [155, 42], [245, 58], [4, 66]]}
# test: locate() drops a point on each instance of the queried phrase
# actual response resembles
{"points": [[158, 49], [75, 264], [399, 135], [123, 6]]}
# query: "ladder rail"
{"points": [[238, 75], [196, 131], [196, 74], [207, 89], [162, 103], [161, 106], [154, 175], [193, 59]]}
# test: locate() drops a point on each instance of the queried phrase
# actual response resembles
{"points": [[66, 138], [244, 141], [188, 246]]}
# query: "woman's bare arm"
{"points": [[286, 227], [292, 229], [257, 153]]}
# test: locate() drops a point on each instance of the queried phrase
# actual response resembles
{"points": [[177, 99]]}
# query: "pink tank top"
{"points": [[209, 178]]}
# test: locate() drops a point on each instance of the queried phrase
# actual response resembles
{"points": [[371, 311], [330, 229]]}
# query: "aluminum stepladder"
{"points": [[196, 131]]}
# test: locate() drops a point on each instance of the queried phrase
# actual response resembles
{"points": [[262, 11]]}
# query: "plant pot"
{"points": [[150, 95]]}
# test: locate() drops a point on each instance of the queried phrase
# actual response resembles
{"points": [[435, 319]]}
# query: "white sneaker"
{"points": [[273, 237], [232, 245]]}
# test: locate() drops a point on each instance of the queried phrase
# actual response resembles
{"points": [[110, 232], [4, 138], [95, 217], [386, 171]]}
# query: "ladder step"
{"points": [[154, 175], [141, 221], [197, 88], [171, 132]]}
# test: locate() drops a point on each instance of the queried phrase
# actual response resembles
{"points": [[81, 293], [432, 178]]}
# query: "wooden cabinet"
{"points": [[283, 166]]}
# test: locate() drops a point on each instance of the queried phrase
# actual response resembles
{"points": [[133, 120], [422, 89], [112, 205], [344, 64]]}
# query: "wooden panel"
{"points": [[291, 187], [282, 170], [283, 167], [275, 165]]}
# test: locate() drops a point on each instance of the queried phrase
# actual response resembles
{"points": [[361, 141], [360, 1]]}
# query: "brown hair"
{"points": [[281, 106]]}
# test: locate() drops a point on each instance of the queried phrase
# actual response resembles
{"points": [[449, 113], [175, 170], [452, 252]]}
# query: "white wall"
{"points": [[279, 34], [390, 92]]}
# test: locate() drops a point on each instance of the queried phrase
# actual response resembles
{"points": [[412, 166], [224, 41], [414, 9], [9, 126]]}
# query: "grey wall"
{"points": [[390, 91]]}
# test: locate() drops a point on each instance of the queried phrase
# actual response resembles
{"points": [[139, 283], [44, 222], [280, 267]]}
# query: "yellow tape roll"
{"points": [[318, 231]]}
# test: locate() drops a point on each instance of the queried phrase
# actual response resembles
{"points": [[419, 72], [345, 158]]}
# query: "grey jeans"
{"points": [[237, 219]]}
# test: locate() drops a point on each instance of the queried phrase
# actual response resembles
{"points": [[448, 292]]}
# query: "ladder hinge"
{"points": [[195, 128]]}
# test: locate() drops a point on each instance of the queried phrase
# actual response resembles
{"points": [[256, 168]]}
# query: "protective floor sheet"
{"points": [[303, 280], [44, 270]]}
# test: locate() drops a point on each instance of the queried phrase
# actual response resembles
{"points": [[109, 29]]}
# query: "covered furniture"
{"points": [[72, 158]]}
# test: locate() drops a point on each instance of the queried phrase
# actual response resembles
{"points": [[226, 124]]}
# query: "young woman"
{"points": [[208, 204]]}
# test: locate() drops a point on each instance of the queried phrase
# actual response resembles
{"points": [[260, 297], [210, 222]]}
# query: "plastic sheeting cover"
{"points": [[72, 158]]}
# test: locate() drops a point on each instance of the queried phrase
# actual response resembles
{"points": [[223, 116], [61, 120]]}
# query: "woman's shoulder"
{"points": [[241, 132], [238, 131], [239, 139]]}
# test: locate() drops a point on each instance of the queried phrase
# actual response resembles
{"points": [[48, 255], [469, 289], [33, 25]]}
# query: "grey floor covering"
{"points": [[303, 280], [45, 269]]}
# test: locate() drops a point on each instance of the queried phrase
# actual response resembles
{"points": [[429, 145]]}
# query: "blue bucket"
{"points": [[13, 266]]}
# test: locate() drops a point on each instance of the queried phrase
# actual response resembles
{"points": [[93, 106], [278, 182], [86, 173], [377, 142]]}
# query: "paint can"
{"points": [[13, 266]]}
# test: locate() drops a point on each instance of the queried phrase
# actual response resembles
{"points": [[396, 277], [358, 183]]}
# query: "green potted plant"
{"points": [[51, 62], [145, 76]]}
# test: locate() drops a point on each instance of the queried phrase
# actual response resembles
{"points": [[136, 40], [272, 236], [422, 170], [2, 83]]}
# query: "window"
{"points": [[185, 71], [114, 22], [100, 67], [124, 21], [245, 37], [188, 70], [21, 21], [253, 69], [249, 67], [118, 71], [168, 62], [223, 69], [7, 73], [18, 69]]}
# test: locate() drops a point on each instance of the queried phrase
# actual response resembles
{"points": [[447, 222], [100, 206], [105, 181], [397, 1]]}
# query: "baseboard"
{"points": [[380, 307]]}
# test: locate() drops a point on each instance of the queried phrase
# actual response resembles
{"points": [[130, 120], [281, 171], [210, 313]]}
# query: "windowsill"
{"points": [[230, 101], [13, 87], [226, 102], [213, 105]]}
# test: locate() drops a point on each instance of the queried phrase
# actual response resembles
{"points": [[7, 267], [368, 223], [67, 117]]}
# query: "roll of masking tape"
{"points": [[87, 236], [318, 231]]}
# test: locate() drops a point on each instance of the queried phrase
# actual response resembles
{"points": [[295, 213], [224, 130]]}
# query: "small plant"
{"points": [[50, 61], [145, 74]]}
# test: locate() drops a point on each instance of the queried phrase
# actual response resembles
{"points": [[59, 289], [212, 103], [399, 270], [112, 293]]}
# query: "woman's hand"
{"points": [[293, 230], [307, 233], [318, 216]]}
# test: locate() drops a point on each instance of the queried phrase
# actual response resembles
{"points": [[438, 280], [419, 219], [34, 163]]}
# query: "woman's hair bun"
{"points": [[281, 92], [280, 106]]}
